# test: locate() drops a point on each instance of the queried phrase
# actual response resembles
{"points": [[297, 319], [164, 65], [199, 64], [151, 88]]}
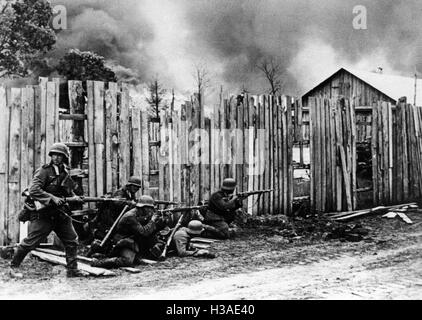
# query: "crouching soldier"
{"points": [[182, 238], [108, 212], [222, 207], [135, 235], [50, 185]]}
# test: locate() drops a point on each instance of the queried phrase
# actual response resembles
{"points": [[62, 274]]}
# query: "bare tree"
{"points": [[273, 72], [202, 79], [156, 96]]}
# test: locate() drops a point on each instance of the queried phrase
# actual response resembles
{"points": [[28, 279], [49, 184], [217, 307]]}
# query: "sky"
{"points": [[168, 39]]}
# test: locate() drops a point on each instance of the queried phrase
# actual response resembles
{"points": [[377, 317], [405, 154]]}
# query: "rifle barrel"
{"points": [[181, 209]]}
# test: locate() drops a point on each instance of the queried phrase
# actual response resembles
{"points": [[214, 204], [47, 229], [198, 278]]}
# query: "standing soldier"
{"points": [[50, 185], [135, 235], [221, 211]]}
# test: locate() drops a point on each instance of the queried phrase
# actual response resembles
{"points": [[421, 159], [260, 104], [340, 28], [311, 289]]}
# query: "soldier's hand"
{"points": [[155, 217], [58, 201]]}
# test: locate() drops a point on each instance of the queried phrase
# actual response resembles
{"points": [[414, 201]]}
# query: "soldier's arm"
{"points": [[181, 242], [224, 204], [36, 189], [143, 231]]}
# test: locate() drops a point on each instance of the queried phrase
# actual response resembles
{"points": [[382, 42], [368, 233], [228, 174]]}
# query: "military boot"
{"points": [[108, 263], [72, 264], [17, 259]]}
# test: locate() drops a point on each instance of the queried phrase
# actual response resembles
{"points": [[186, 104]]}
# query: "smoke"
{"points": [[167, 39]]}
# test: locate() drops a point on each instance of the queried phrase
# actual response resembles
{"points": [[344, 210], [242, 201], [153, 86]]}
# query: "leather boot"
{"points": [[108, 263], [72, 264], [18, 257]]}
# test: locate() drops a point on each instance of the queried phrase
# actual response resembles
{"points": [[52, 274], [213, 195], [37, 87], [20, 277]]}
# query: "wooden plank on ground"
{"points": [[62, 254], [81, 266]]}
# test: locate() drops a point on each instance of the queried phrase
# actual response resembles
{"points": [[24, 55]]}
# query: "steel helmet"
{"points": [[229, 184], [145, 201], [60, 148], [135, 181], [195, 227]]}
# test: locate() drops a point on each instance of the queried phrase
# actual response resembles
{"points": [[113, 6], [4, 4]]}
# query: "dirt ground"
{"points": [[264, 262]]}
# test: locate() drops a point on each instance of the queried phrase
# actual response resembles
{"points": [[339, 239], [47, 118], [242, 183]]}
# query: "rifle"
{"points": [[35, 205], [177, 226], [125, 201], [182, 209], [251, 193], [114, 226]]}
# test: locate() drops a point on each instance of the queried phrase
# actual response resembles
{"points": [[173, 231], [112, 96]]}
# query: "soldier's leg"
{"points": [[125, 258], [67, 234], [38, 230], [216, 229]]}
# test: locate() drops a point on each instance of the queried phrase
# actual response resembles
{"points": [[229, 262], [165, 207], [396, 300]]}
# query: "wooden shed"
{"points": [[366, 88]]}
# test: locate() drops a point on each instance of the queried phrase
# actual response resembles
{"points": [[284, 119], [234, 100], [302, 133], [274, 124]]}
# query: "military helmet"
{"points": [[60, 148], [135, 181], [145, 201], [229, 184], [195, 227]]}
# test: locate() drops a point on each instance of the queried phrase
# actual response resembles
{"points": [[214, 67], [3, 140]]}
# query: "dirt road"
{"points": [[394, 274], [256, 266]]}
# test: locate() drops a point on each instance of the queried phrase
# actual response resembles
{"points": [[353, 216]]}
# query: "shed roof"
{"points": [[393, 86]]}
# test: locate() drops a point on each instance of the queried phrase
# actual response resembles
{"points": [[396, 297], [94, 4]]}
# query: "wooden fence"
{"points": [[184, 155], [397, 152], [396, 146], [333, 155], [249, 139]]}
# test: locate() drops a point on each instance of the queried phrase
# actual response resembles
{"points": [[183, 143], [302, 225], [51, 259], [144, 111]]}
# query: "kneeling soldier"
{"points": [[221, 211], [135, 235], [50, 185]]}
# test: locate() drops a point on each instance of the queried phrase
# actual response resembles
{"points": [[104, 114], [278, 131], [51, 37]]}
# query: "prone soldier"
{"points": [[182, 238]]}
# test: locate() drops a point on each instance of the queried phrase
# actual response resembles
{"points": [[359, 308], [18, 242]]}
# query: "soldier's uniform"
{"points": [[48, 181], [221, 211], [109, 212], [135, 235], [182, 238]]}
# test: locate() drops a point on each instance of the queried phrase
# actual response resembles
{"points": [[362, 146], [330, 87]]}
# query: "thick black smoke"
{"points": [[146, 38]]}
